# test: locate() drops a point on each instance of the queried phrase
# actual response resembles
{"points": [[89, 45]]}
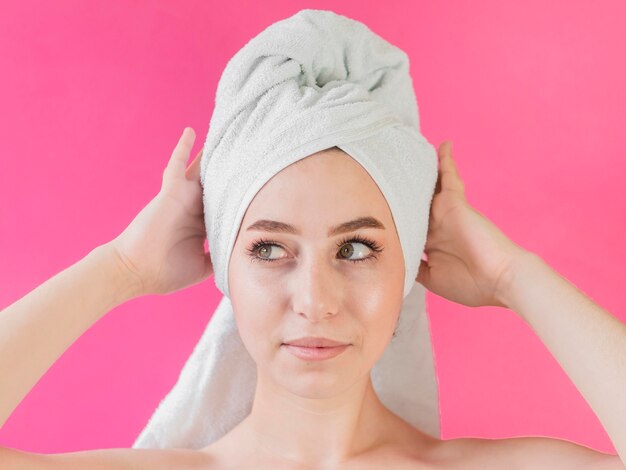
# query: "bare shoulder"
{"points": [[534, 453], [103, 459]]}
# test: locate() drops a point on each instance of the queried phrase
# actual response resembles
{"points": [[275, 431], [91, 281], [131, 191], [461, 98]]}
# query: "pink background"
{"points": [[96, 94]]}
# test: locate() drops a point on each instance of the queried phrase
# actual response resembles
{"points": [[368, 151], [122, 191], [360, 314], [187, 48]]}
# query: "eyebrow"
{"points": [[265, 225]]}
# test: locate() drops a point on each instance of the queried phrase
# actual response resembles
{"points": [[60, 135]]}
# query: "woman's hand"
{"points": [[469, 258], [163, 247]]}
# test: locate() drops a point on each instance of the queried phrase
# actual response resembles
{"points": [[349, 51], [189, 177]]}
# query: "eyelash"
{"points": [[371, 244]]}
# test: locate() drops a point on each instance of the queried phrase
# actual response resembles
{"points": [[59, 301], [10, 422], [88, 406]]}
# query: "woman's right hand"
{"points": [[163, 247]]}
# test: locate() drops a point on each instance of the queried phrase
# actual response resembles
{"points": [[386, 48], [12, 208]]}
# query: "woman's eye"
{"points": [[262, 250], [347, 251]]}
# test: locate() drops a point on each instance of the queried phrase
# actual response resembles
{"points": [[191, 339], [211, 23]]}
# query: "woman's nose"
{"points": [[315, 290]]}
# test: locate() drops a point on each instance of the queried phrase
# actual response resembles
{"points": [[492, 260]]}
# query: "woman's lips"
{"points": [[315, 354]]}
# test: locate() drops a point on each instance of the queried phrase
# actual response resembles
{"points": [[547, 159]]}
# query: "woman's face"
{"points": [[292, 285]]}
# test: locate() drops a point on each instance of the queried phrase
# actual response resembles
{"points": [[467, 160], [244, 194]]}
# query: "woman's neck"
{"points": [[317, 431]]}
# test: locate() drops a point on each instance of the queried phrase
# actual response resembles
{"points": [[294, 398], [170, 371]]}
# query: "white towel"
{"points": [[307, 83]]}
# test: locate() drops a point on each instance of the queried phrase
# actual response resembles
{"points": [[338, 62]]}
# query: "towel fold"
{"points": [[307, 83]]}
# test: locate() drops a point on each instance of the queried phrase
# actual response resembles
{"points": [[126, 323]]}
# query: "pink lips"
{"points": [[315, 342], [315, 354]]}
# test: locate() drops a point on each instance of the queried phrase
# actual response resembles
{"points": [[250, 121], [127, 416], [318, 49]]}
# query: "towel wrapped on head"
{"points": [[310, 82]]}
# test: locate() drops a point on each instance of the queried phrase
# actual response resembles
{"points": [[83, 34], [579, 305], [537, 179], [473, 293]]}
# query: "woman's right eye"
{"points": [[261, 250]]}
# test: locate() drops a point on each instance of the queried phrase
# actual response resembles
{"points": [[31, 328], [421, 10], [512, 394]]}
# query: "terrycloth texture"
{"points": [[304, 84]]}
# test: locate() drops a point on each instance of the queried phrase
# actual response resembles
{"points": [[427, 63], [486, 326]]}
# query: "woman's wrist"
{"points": [[125, 283], [513, 278]]}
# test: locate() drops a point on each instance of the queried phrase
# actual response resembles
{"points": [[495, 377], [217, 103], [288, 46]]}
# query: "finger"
{"points": [[423, 275], [193, 170], [208, 265], [438, 183], [439, 167], [180, 155], [450, 177]]}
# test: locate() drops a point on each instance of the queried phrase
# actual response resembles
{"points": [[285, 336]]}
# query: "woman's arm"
{"points": [[473, 263], [39, 327], [161, 251], [587, 341]]}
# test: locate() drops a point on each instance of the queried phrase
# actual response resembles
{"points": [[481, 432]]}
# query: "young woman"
{"points": [[326, 414]]}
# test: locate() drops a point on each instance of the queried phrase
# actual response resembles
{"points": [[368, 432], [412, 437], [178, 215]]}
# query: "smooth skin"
{"points": [[470, 261]]}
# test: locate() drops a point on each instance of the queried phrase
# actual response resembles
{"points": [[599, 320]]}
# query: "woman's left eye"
{"points": [[344, 245], [347, 250]]}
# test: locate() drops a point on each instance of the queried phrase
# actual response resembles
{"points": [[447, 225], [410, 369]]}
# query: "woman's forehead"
{"points": [[323, 175], [328, 182]]}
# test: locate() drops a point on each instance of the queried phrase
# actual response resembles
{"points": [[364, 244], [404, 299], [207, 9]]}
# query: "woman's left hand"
{"points": [[469, 258]]}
